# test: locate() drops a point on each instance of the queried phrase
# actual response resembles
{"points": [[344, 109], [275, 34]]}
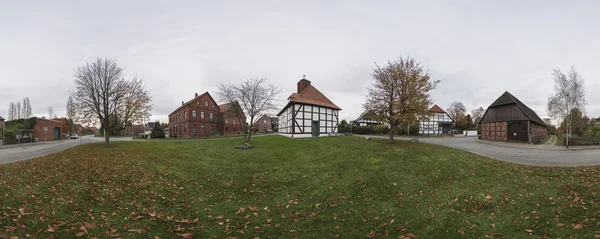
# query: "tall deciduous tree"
{"points": [[477, 114], [102, 95], [569, 93], [400, 93], [26, 108], [70, 113], [254, 97], [457, 111], [12, 112]]}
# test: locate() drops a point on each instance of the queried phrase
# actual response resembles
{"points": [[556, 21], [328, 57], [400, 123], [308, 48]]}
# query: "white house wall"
{"points": [[304, 115]]}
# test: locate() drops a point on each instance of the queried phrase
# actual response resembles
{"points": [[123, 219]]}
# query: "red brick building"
{"points": [[264, 124], [197, 117], [232, 123], [53, 130]]}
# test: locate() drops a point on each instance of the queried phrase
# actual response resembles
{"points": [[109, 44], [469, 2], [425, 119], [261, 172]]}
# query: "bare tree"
{"points": [[102, 95], [569, 93], [50, 112], [477, 114], [26, 108], [70, 113], [12, 112], [400, 93], [18, 109], [254, 97]]}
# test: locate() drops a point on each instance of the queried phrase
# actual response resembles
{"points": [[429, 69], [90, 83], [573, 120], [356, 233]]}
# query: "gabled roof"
{"points": [[507, 98], [366, 114], [436, 109], [310, 95], [263, 116], [1, 118], [192, 100], [225, 107]]}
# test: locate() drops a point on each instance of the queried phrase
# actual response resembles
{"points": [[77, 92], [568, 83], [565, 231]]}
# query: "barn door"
{"points": [[517, 131]]}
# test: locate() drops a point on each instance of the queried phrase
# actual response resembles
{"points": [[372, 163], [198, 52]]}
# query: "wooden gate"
{"points": [[517, 131]]}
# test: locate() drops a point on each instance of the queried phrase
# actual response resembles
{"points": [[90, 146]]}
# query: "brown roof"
{"points": [[192, 100], [310, 95], [1, 118], [225, 107], [437, 109]]}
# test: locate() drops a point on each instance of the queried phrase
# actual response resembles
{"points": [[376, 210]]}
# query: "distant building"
{"points": [[275, 124], [508, 119], [308, 113], [367, 118], [202, 116], [264, 124], [437, 123]]}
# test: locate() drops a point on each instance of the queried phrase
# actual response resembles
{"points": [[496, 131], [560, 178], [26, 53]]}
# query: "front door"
{"points": [[315, 128], [56, 133], [517, 131]]}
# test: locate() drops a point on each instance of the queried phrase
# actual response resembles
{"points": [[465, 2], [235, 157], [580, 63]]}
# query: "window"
{"points": [[198, 103], [234, 122], [206, 103], [185, 115], [185, 129], [202, 115], [193, 114], [213, 106], [211, 130], [227, 129], [226, 121], [265, 121], [202, 129], [194, 129], [211, 115]]}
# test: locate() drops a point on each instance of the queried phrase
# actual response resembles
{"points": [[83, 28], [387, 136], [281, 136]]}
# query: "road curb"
{"points": [[537, 148]]}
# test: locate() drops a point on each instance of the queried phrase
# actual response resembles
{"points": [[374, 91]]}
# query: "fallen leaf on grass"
{"points": [[560, 224], [493, 225], [529, 230], [577, 226], [334, 235], [136, 230]]}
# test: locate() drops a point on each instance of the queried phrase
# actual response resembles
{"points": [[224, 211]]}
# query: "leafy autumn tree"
{"points": [[569, 93], [457, 111], [400, 93], [102, 94]]}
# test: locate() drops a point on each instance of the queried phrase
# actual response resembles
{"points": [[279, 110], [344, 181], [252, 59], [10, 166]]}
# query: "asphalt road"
{"points": [[11, 153], [528, 156]]}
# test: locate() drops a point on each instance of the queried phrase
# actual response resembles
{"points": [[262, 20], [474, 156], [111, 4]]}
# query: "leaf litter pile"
{"points": [[332, 187]]}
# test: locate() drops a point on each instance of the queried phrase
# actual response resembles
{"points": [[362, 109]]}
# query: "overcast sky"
{"points": [[478, 49]]}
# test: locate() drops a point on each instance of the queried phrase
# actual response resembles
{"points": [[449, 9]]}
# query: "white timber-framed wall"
{"points": [[437, 124], [298, 119]]}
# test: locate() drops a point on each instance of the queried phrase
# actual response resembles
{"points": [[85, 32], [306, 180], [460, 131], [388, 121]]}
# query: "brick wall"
{"points": [[538, 133], [264, 123], [182, 121], [38, 129]]}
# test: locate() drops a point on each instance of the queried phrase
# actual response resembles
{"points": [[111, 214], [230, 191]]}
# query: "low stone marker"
{"points": [[414, 140], [368, 138]]}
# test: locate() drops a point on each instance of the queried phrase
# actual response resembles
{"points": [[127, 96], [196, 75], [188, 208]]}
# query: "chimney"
{"points": [[303, 84], [181, 102], [196, 95]]}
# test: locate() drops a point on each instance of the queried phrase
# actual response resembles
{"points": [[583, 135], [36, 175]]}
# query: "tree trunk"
{"points": [[391, 134], [106, 138], [250, 130], [568, 132]]}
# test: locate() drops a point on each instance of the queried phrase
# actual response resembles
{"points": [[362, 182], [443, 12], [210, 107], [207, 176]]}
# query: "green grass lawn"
{"points": [[328, 187], [120, 136]]}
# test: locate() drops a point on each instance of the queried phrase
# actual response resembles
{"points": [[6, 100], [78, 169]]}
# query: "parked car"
{"points": [[74, 136]]}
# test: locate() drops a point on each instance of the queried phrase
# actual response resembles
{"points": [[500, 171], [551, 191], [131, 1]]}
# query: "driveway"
{"points": [[13, 153], [528, 156]]}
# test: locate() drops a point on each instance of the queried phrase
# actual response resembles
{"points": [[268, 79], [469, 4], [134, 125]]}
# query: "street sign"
{"points": [[45, 129]]}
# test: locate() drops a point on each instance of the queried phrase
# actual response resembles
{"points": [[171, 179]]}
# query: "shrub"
{"points": [[157, 132], [588, 133]]}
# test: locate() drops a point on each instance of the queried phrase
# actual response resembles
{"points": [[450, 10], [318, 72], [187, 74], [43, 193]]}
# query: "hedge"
{"points": [[581, 140]]}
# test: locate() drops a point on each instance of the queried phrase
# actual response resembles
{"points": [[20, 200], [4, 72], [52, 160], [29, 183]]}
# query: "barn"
{"points": [[508, 119]]}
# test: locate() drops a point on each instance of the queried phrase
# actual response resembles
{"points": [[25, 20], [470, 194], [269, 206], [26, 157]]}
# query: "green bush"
{"points": [[588, 133], [157, 132], [575, 141]]}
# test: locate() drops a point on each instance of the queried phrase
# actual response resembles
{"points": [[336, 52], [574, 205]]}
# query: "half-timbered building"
{"points": [[508, 119], [367, 118], [438, 122], [308, 113]]}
